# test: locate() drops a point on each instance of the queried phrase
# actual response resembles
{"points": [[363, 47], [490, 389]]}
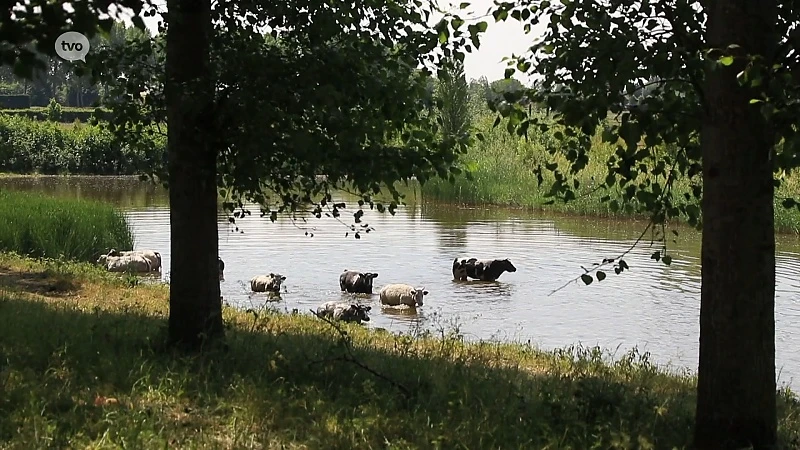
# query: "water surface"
{"points": [[654, 307]]}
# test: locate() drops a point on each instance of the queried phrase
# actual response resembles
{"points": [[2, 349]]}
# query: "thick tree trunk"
{"points": [[736, 389], [195, 310]]}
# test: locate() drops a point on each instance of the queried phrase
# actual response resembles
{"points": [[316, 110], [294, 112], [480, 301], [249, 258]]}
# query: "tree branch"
{"points": [[679, 37], [651, 222], [349, 356]]}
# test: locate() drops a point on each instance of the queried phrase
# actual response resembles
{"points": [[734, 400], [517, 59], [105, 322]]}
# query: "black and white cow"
{"points": [[484, 270], [356, 282]]}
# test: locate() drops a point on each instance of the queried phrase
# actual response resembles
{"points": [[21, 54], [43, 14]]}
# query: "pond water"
{"points": [[654, 307]]}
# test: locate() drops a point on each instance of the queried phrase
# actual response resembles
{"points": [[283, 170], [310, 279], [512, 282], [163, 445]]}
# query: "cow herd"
{"points": [[391, 295]]}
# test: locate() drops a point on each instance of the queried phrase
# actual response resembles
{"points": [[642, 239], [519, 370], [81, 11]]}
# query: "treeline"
{"points": [[54, 140], [58, 81]]}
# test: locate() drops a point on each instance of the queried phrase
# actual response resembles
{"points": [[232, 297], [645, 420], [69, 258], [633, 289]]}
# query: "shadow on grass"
{"points": [[75, 378], [43, 282]]}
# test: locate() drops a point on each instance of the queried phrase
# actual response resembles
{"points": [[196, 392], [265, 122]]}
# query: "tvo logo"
{"points": [[72, 46]]}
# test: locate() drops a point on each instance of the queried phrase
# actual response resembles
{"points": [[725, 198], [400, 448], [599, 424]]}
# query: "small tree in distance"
{"points": [[454, 100]]}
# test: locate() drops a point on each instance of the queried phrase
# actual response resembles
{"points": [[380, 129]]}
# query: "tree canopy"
{"points": [[339, 91]]}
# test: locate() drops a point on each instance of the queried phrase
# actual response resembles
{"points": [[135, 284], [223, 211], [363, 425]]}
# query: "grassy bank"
{"points": [[83, 367], [503, 166], [33, 146], [42, 226]]}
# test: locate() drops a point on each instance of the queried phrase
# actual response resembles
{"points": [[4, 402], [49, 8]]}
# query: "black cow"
{"points": [[484, 270], [356, 282], [221, 265]]}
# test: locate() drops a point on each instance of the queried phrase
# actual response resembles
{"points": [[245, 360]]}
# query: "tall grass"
{"points": [[77, 229], [92, 374], [503, 165]]}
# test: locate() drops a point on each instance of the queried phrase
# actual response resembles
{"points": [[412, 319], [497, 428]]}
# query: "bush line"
{"points": [[29, 146]]}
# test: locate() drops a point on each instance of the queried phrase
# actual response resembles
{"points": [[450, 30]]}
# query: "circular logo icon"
{"points": [[72, 46]]}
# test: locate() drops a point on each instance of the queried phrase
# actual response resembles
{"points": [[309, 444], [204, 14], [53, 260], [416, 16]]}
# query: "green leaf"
{"points": [[726, 60], [138, 22], [464, 5], [667, 259], [482, 26], [609, 135], [601, 275], [508, 72], [587, 279]]}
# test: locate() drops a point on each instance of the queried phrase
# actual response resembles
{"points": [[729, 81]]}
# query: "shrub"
{"points": [[68, 114], [15, 101], [54, 111], [30, 146]]}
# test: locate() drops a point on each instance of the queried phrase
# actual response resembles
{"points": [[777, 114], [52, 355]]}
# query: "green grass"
{"points": [[82, 367], [78, 229], [503, 166]]}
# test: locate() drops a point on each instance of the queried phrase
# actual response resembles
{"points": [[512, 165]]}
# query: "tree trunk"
{"points": [[195, 314], [736, 389]]}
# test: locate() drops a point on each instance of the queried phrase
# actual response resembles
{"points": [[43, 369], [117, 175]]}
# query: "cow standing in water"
{"points": [[484, 270], [356, 282]]}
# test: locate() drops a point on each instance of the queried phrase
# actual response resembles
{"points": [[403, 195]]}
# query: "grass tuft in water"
{"points": [[77, 229], [83, 366]]}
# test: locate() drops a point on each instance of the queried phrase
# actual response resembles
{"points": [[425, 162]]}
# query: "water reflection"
{"points": [[492, 290], [127, 191]]}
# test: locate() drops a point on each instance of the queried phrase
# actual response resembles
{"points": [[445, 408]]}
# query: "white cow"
{"points": [[402, 294], [267, 283], [152, 256], [130, 263]]}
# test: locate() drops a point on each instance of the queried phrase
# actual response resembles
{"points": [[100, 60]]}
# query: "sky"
{"points": [[500, 40]]}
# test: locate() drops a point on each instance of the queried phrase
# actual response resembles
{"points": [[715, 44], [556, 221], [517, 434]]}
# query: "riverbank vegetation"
{"points": [[75, 229], [46, 147], [503, 164], [84, 367]]}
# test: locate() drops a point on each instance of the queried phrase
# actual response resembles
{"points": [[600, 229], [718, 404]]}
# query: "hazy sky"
{"points": [[501, 39]]}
